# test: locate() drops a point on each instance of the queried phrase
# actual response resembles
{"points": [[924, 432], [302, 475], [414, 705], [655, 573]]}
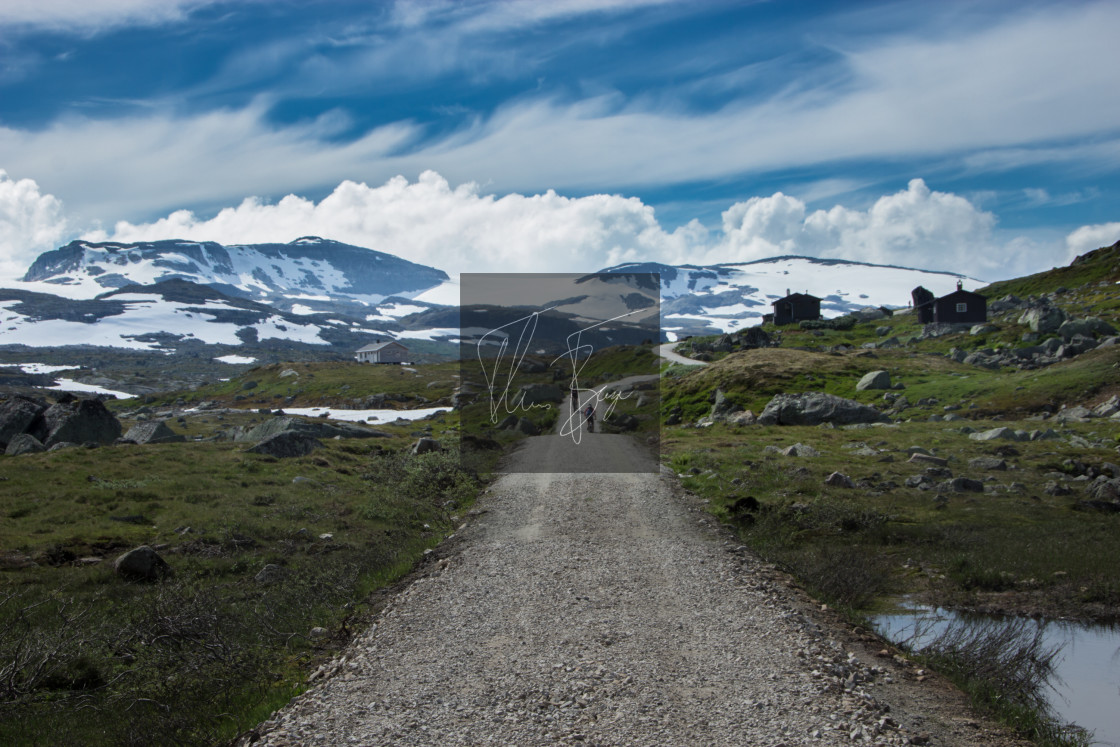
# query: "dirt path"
{"points": [[608, 609]]}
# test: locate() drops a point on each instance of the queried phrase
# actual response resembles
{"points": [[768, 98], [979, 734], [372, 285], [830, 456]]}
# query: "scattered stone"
{"points": [[528, 427], [928, 459], [961, 485], [995, 433], [141, 564], [79, 421], [1043, 319], [1056, 489], [287, 444], [982, 329], [874, 380], [814, 408], [987, 464], [839, 480], [153, 432], [424, 445], [17, 414], [800, 450]]}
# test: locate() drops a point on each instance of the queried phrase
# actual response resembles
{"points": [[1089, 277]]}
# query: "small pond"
{"points": [[1086, 689]]}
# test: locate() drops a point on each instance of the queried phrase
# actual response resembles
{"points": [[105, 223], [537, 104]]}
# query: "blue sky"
{"points": [[567, 135]]}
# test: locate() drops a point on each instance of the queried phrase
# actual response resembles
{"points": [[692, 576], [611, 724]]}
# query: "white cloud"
{"points": [[1088, 238], [93, 15], [30, 223], [459, 229], [428, 221]]}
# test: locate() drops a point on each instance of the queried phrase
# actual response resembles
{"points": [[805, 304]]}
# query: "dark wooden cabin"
{"points": [[796, 307], [958, 307], [961, 307]]}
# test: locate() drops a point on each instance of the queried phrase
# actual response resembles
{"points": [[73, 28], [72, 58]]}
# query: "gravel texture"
{"points": [[609, 609]]}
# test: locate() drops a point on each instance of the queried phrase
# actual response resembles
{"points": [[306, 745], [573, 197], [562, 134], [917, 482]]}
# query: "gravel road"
{"points": [[609, 609]]}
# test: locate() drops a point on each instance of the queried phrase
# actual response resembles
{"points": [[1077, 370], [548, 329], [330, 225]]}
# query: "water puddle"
{"points": [[1086, 689]]}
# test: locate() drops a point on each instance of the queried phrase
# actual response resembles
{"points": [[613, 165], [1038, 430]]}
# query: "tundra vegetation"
{"points": [[1022, 521]]}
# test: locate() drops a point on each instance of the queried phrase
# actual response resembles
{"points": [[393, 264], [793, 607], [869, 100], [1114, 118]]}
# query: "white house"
{"points": [[383, 352]]}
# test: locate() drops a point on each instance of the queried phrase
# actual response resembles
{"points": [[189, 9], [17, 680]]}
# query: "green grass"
{"points": [[207, 653]]}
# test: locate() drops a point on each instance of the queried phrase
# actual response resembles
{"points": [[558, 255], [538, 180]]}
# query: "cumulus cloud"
{"points": [[454, 228], [460, 229], [1088, 238], [915, 227], [30, 223]]}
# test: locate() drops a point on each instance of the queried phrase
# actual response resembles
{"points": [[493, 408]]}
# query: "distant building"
{"points": [[383, 352], [958, 307], [796, 307]]}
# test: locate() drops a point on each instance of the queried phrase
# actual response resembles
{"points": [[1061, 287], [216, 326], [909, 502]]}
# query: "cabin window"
{"points": [[961, 308]]}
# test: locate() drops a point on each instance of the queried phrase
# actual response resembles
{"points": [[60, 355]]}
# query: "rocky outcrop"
{"points": [[287, 444], [18, 415], [24, 443], [814, 408], [153, 432], [277, 425], [80, 421]]}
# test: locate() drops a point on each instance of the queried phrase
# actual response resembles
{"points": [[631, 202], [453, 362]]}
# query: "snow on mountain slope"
{"points": [[727, 297], [309, 272]]}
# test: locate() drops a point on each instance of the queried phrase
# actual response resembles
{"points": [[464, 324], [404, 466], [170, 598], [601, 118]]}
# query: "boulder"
{"points": [[1087, 327], [800, 450], [814, 408], [746, 417], [919, 458], [620, 422], [722, 407], [24, 443], [141, 564], [988, 464], [277, 425], [153, 432], [287, 444], [80, 421], [995, 433], [874, 380], [839, 480], [17, 414], [982, 329], [1043, 319], [961, 485], [1075, 414], [424, 445], [1104, 489]]}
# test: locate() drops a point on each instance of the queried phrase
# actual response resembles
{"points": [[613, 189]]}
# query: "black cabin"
{"points": [[958, 307], [796, 307]]}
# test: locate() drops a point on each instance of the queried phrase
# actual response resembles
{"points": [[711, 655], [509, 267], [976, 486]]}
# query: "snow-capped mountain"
{"points": [[698, 300], [307, 275], [325, 295]]}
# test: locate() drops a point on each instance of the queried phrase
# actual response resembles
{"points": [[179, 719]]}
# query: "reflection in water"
{"points": [[1086, 687]]}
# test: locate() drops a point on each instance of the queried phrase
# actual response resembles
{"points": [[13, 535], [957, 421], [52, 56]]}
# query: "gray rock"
{"points": [[874, 380], [988, 464], [995, 433], [922, 482], [746, 417], [800, 450], [722, 407], [287, 444], [81, 421], [153, 432], [528, 427], [839, 480], [1056, 489], [24, 443], [424, 445], [814, 408], [141, 564], [1075, 414], [982, 329], [1043, 319], [961, 485], [1087, 327], [17, 414], [277, 425], [928, 459]]}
